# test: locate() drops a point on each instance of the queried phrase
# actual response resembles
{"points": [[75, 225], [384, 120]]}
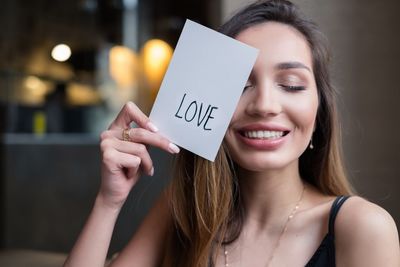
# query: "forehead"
{"points": [[277, 43]]}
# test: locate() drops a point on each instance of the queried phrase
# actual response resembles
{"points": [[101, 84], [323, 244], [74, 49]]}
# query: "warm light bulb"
{"points": [[156, 56], [35, 85], [61, 52], [123, 66]]}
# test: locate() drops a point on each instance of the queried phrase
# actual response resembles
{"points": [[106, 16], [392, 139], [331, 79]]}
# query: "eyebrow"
{"points": [[292, 65]]}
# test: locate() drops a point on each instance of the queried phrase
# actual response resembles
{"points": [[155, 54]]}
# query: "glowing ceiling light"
{"points": [[35, 85], [156, 56], [61, 52], [123, 66]]}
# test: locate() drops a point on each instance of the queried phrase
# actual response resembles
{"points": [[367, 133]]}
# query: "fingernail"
{"points": [[152, 127], [173, 148], [152, 171]]}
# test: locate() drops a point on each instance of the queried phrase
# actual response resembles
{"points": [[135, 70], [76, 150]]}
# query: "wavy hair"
{"points": [[205, 197]]}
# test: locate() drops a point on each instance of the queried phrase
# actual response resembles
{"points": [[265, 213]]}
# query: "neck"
{"points": [[269, 196]]}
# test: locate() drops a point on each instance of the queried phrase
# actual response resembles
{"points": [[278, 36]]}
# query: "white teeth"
{"points": [[263, 134]]}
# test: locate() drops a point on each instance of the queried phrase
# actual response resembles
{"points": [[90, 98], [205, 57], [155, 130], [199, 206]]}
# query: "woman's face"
{"points": [[274, 120]]}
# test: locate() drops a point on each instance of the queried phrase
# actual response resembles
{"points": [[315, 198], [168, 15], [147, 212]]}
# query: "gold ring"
{"points": [[125, 135]]}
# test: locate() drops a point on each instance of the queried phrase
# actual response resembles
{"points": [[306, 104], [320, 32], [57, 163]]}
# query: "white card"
{"points": [[201, 89]]}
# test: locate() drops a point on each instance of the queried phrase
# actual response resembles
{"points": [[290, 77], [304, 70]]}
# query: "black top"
{"points": [[325, 254]]}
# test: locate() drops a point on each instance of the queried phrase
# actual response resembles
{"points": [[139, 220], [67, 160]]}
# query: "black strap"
{"points": [[334, 211]]}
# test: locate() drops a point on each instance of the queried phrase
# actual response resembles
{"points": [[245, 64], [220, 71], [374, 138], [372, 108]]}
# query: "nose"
{"points": [[264, 101]]}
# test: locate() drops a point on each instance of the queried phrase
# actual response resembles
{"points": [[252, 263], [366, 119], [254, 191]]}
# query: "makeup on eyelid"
{"points": [[292, 80], [290, 76]]}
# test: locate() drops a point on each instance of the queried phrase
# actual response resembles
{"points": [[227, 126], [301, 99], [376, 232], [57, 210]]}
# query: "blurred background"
{"points": [[67, 67]]}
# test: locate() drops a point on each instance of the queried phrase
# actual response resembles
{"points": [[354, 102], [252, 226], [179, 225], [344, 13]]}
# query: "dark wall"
{"points": [[49, 187], [365, 41]]}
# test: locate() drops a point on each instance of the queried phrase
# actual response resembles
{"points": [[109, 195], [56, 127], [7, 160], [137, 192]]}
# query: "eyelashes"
{"points": [[247, 87], [289, 88], [292, 87]]}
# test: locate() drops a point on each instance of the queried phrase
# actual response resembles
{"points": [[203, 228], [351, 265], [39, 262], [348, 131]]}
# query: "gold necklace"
{"points": [[290, 217]]}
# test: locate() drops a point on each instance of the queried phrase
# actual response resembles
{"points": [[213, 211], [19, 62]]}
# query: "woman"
{"points": [[271, 196]]}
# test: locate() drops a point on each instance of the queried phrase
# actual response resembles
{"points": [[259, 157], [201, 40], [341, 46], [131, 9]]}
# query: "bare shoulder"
{"points": [[366, 235], [359, 216]]}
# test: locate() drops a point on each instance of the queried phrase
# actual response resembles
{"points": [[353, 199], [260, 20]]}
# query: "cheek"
{"points": [[304, 111], [237, 116]]}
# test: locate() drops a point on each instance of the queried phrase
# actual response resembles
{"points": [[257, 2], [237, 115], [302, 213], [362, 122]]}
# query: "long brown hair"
{"points": [[205, 196]]}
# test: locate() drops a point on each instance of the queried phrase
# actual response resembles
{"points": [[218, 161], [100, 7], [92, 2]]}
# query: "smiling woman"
{"points": [[277, 184], [282, 101]]}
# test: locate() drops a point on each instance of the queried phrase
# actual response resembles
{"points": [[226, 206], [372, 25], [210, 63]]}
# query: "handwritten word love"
{"points": [[195, 110]]}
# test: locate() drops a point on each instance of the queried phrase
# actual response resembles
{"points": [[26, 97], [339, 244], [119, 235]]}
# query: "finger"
{"points": [[143, 136], [116, 161], [138, 150], [130, 163], [139, 135], [131, 113]]}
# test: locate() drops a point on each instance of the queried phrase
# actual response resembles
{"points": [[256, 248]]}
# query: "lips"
{"points": [[263, 136]]}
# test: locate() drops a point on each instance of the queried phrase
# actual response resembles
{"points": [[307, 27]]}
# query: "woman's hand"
{"points": [[125, 155]]}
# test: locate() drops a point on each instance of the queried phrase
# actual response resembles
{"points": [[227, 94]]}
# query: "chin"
{"points": [[260, 163]]}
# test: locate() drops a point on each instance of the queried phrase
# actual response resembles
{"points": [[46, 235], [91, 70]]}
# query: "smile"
{"points": [[263, 134]]}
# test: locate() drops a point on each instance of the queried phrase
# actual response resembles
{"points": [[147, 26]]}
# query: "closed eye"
{"points": [[248, 86], [292, 87]]}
